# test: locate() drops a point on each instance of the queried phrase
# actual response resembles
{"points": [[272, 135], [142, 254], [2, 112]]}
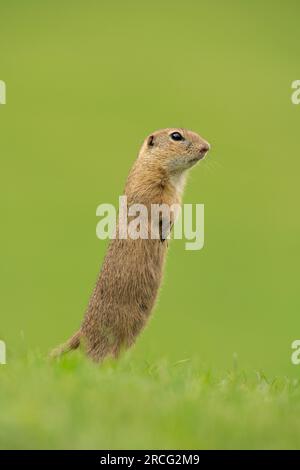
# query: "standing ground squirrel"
{"points": [[132, 270]]}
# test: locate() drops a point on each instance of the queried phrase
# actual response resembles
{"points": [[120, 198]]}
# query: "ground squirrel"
{"points": [[132, 270]]}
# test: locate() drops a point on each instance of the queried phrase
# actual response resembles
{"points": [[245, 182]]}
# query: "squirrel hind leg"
{"points": [[102, 347]]}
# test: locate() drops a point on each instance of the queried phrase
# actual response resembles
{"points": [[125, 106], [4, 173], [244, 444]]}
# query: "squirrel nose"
{"points": [[205, 147]]}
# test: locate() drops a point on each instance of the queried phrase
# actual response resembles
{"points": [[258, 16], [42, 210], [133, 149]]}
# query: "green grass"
{"points": [[75, 404]]}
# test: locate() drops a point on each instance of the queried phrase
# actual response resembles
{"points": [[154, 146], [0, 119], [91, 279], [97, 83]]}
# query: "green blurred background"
{"points": [[86, 82]]}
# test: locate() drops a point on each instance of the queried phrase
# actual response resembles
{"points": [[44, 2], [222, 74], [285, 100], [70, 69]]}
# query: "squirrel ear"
{"points": [[150, 141]]}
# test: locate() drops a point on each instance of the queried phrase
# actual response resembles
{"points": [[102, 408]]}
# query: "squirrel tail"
{"points": [[71, 344]]}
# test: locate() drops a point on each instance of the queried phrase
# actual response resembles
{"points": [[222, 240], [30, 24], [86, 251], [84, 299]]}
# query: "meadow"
{"points": [[85, 83], [73, 404]]}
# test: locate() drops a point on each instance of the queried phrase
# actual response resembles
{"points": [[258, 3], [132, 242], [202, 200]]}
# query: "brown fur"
{"points": [[132, 270]]}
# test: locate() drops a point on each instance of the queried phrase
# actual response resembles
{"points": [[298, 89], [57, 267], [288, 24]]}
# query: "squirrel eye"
{"points": [[176, 136]]}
